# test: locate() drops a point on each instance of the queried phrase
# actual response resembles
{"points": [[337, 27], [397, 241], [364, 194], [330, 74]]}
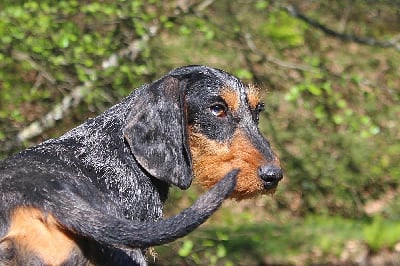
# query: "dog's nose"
{"points": [[270, 175]]}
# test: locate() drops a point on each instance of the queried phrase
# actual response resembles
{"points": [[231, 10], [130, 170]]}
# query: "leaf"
{"points": [[221, 251], [186, 248], [243, 73]]}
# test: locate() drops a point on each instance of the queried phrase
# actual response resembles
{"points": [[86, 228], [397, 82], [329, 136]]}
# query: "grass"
{"points": [[314, 239]]}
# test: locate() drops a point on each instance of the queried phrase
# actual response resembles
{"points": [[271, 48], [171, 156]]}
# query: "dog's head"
{"points": [[202, 122]]}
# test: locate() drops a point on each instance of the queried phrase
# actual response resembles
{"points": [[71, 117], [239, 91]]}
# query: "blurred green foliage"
{"points": [[332, 106], [381, 233]]}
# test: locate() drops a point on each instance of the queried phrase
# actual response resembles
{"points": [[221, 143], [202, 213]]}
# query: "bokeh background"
{"points": [[329, 73]]}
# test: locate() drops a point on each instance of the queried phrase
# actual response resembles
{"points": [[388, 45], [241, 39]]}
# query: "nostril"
{"points": [[270, 175]]}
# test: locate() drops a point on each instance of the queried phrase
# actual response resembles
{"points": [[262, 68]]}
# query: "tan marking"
{"points": [[34, 232], [213, 160], [231, 97], [253, 96]]}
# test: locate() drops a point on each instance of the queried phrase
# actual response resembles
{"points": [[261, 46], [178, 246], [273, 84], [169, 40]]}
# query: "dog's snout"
{"points": [[270, 175]]}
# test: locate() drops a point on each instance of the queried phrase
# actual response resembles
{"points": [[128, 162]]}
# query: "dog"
{"points": [[95, 195]]}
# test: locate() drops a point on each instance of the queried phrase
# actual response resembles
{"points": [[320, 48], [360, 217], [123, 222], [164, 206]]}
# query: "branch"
{"points": [[251, 45], [21, 56], [203, 5], [57, 113], [293, 11]]}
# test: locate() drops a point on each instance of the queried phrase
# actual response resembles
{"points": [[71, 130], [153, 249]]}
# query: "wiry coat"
{"points": [[97, 192]]}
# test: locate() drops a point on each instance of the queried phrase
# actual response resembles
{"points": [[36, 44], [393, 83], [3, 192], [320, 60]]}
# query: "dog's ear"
{"points": [[156, 131]]}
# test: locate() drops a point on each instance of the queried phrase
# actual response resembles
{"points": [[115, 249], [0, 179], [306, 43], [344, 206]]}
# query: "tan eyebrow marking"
{"points": [[253, 96], [231, 97]]}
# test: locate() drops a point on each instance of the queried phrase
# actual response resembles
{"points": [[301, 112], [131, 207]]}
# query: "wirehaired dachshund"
{"points": [[95, 195]]}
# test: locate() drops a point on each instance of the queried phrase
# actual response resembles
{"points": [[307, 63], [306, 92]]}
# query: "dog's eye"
{"points": [[260, 107], [218, 110]]}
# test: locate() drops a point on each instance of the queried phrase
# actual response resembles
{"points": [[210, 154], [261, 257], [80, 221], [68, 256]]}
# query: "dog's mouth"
{"points": [[268, 185]]}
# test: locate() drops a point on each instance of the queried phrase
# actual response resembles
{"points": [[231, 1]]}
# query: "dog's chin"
{"points": [[270, 191], [240, 195], [237, 195]]}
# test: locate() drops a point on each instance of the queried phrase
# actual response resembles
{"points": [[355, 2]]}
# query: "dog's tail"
{"points": [[107, 229]]}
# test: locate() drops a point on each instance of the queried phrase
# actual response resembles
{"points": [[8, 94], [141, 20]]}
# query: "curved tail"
{"points": [[110, 230]]}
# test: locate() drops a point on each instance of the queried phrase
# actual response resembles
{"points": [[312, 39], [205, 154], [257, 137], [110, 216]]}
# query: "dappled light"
{"points": [[328, 72]]}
